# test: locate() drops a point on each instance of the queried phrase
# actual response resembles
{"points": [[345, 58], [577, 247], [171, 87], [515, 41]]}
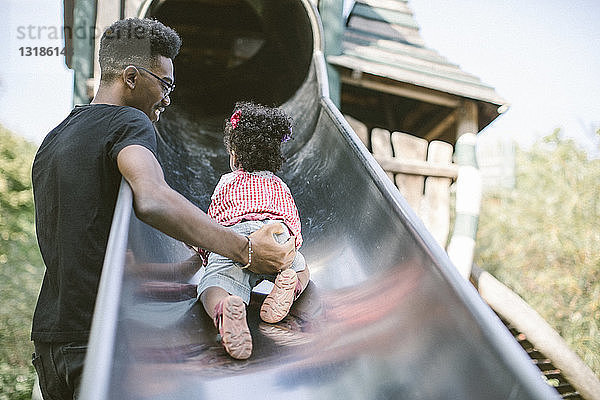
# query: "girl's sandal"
{"points": [[277, 304], [230, 321]]}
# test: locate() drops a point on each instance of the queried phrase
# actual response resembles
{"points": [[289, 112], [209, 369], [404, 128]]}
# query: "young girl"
{"points": [[246, 199]]}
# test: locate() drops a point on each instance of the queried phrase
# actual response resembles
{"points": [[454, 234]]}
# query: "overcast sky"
{"points": [[542, 56]]}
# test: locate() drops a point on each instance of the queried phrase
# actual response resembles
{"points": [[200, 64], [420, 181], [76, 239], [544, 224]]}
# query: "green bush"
{"points": [[542, 239], [21, 267]]}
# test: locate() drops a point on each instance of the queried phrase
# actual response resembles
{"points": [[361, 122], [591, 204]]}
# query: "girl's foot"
{"points": [[230, 320], [278, 303]]}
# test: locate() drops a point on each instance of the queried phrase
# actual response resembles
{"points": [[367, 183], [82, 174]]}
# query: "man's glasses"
{"points": [[167, 87]]}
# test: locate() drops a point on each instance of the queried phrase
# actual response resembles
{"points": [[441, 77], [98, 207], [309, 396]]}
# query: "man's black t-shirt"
{"points": [[75, 185]]}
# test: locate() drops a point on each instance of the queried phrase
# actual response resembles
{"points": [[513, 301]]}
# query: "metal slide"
{"points": [[386, 316]]}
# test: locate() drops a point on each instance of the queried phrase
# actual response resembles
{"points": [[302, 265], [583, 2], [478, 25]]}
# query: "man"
{"points": [[76, 175]]}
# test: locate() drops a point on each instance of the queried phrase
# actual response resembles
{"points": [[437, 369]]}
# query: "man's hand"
{"points": [[268, 256]]}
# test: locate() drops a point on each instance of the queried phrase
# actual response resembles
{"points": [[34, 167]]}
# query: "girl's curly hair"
{"points": [[257, 136]]}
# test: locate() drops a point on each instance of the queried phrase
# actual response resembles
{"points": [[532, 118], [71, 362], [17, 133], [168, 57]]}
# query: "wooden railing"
{"points": [[423, 173]]}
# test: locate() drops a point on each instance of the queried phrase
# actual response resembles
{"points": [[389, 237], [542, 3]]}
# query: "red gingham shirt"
{"points": [[254, 196]]}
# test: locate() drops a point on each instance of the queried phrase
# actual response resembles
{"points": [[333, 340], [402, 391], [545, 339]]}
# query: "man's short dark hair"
{"points": [[135, 41]]}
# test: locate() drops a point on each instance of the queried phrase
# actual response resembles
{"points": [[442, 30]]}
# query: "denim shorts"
{"points": [[228, 275]]}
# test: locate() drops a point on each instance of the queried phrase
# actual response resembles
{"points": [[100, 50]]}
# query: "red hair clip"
{"points": [[235, 119]]}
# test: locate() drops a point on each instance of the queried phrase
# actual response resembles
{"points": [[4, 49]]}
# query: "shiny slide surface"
{"points": [[386, 316]]}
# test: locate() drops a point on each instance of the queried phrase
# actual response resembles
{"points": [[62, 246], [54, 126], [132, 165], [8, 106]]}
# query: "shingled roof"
{"points": [[382, 40]]}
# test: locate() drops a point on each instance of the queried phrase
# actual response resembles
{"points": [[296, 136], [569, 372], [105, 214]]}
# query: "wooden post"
{"points": [[136, 8], [468, 189], [106, 14], [435, 211], [84, 21], [382, 145], [408, 147], [360, 129], [467, 119], [468, 202], [332, 13]]}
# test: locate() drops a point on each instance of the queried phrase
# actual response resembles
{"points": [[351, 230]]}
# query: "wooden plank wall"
{"points": [[422, 171]]}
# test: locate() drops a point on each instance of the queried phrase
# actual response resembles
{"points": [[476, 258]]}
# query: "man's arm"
{"points": [[158, 205]]}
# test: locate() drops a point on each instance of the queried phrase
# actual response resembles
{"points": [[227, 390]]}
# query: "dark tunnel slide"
{"points": [[386, 316]]}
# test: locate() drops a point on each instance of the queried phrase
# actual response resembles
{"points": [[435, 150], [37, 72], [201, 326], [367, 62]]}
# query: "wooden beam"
{"points": [[412, 117], [518, 313], [401, 89], [439, 129], [415, 167]]}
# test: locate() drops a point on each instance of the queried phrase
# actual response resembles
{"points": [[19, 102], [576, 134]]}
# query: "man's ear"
{"points": [[130, 76]]}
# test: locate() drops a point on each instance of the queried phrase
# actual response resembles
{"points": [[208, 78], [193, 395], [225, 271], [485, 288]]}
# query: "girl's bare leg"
{"points": [[211, 297]]}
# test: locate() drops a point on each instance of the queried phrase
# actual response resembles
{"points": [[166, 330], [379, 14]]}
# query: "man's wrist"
{"points": [[249, 254]]}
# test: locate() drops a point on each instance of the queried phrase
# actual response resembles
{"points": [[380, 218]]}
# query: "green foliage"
{"points": [[21, 267], [542, 239]]}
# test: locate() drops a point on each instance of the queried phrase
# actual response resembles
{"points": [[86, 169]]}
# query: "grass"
{"points": [[21, 267], [542, 239]]}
